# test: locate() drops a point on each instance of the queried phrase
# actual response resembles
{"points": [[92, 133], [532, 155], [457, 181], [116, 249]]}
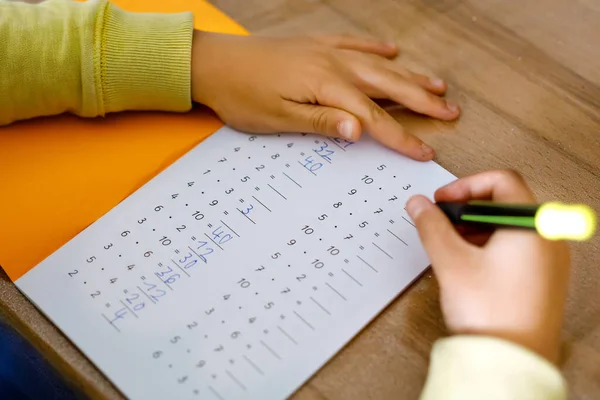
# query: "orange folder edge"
{"points": [[59, 175]]}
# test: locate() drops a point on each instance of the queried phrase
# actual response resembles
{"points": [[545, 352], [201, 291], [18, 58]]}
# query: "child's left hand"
{"points": [[316, 85]]}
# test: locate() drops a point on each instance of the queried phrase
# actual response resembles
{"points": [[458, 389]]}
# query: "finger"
{"points": [[373, 119], [435, 86], [503, 186], [432, 84], [444, 245], [322, 120], [476, 236], [500, 185], [393, 86], [379, 47]]}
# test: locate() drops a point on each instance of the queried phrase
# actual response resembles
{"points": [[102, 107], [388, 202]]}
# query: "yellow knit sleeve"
{"points": [[91, 58], [477, 367]]}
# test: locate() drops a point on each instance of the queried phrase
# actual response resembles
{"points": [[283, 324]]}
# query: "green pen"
{"points": [[552, 220]]}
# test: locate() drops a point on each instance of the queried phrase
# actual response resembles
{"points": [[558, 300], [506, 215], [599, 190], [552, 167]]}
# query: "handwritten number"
{"points": [[313, 166], [248, 210], [207, 250], [347, 143], [152, 287], [161, 274]]}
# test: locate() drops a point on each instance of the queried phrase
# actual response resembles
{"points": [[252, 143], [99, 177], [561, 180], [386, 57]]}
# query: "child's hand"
{"points": [[512, 284], [315, 85]]}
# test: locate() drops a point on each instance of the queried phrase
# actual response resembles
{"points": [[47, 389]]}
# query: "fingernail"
{"points": [[416, 205], [451, 106], [427, 151], [391, 45], [437, 82], [344, 129]]}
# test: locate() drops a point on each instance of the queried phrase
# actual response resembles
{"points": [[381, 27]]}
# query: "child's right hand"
{"points": [[512, 284]]}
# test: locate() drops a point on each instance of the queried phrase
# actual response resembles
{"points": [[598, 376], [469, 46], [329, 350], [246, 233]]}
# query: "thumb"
{"points": [[322, 120], [446, 249]]}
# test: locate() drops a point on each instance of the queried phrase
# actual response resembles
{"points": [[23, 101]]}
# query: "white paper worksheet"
{"points": [[241, 269]]}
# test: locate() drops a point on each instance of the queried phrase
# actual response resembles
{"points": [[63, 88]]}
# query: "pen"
{"points": [[552, 220]]}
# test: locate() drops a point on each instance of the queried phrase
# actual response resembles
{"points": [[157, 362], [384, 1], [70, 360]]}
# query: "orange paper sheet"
{"points": [[59, 175]]}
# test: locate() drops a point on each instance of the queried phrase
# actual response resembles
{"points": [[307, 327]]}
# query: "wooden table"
{"points": [[527, 75]]}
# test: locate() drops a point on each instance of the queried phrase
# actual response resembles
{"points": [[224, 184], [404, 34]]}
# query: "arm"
{"points": [[91, 59], [480, 367], [502, 296]]}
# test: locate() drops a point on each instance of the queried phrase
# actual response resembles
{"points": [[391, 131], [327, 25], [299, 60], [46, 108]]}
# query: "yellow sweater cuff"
{"points": [[143, 60], [477, 367]]}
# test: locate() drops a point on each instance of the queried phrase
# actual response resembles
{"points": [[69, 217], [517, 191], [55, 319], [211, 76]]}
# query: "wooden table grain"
{"points": [[527, 76]]}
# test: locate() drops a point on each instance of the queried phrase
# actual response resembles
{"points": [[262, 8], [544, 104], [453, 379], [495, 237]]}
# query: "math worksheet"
{"points": [[241, 269]]}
